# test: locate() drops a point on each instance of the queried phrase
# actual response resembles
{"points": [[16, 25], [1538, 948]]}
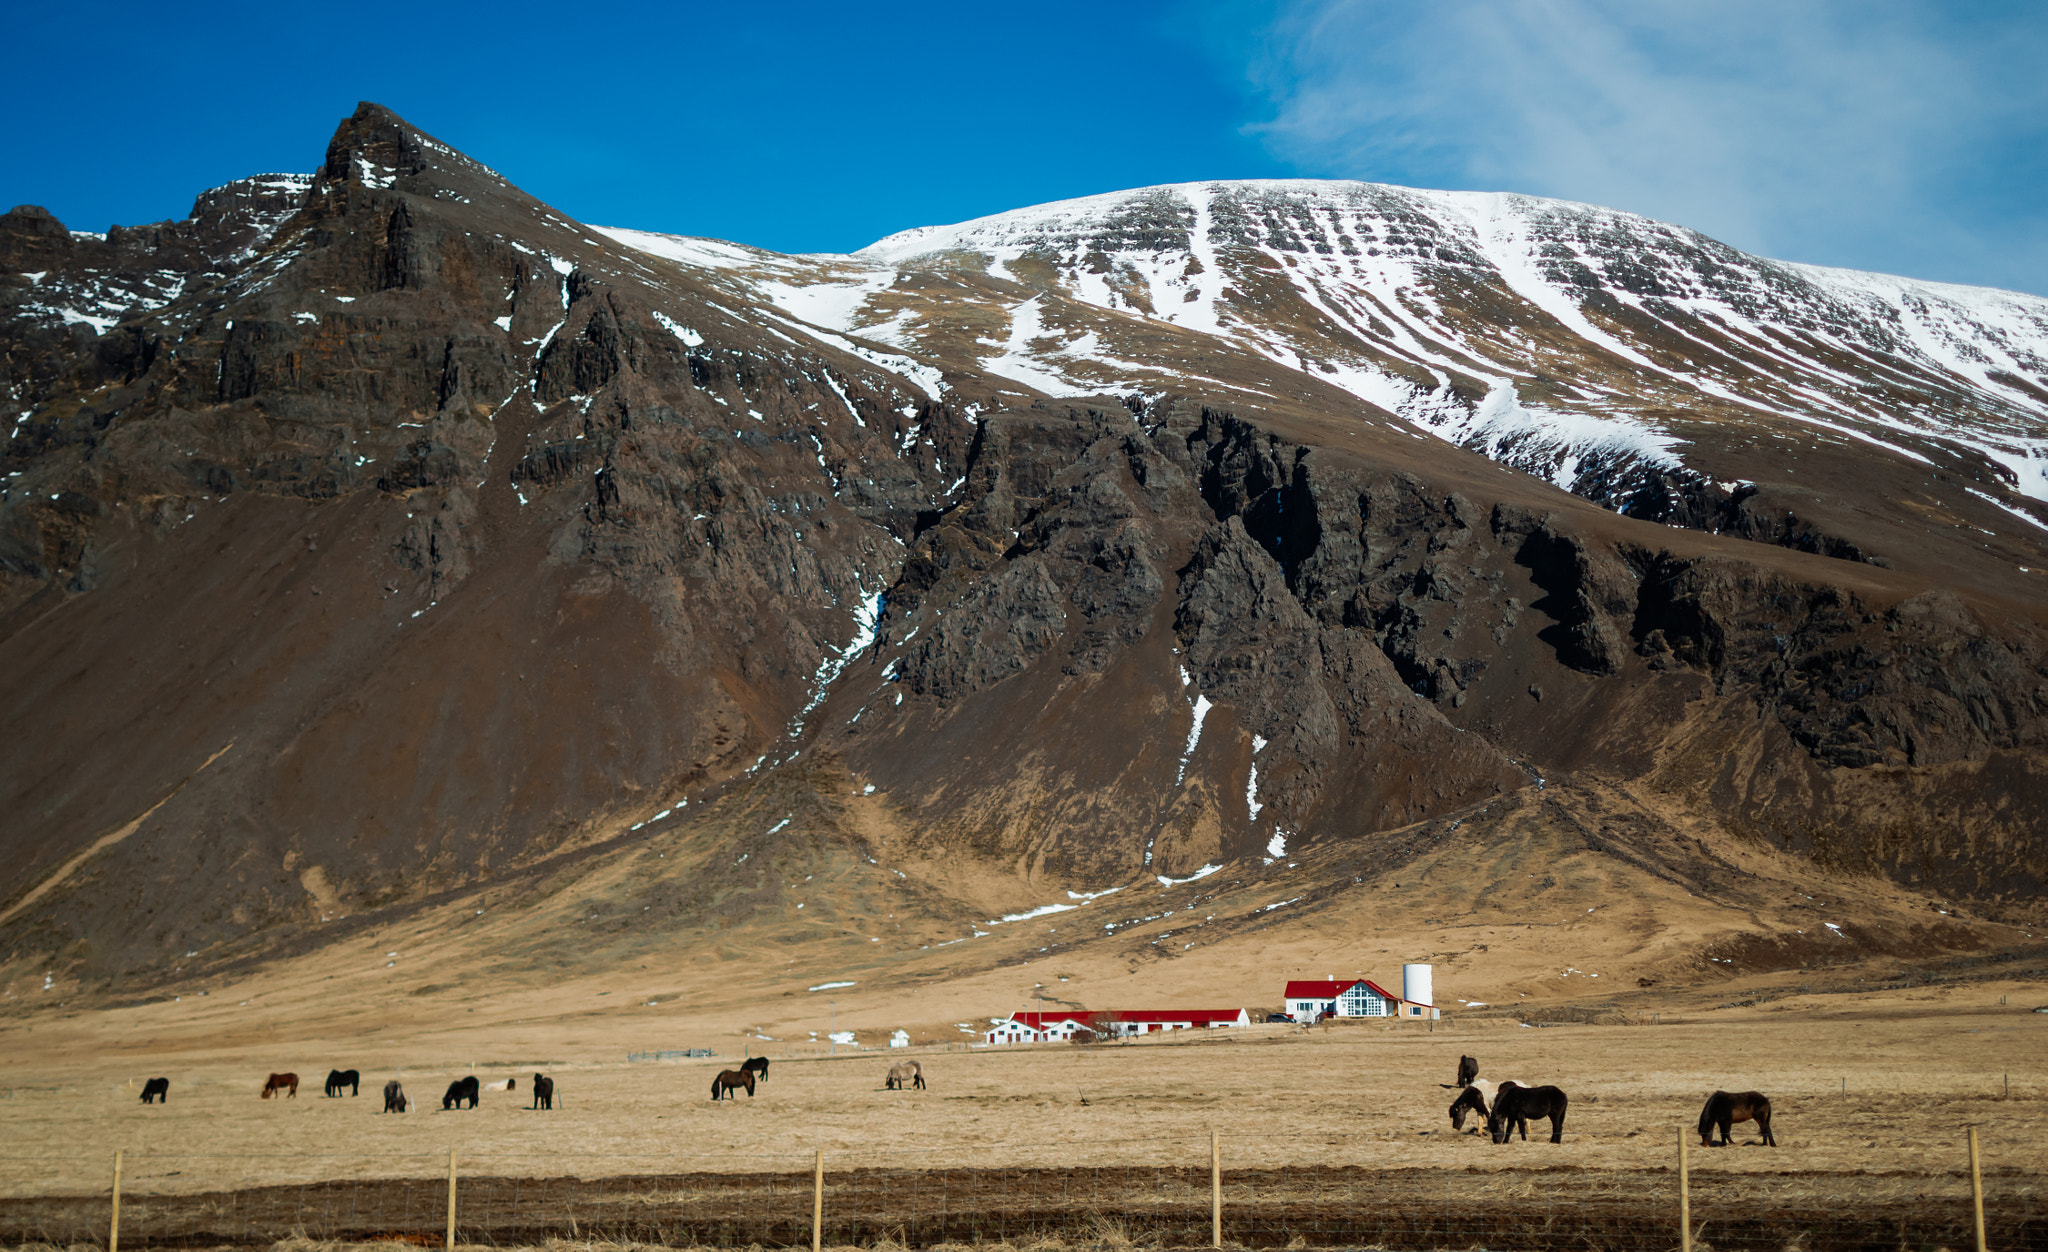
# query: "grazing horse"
{"points": [[731, 1080], [758, 1067], [287, 1083], [394, 1097], [339, 1078], [543, 1091], [156, 1089], [1468, 1069], [1515, 1105], [1725, 1108], [1477, 1098], [905, 1073], [458, 1091]]}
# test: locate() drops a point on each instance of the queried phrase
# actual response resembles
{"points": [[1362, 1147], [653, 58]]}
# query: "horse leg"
{"points": [[1763, 1122], [1557, 1126]]}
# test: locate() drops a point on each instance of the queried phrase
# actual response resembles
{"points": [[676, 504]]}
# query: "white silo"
{"points": [[1416, 985]]}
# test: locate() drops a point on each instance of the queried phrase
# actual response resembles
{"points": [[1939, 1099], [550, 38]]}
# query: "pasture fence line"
{"points": [[1684, 1192], [900, 1199], [1977, 1188], [818, 1204], [451, 1200]]}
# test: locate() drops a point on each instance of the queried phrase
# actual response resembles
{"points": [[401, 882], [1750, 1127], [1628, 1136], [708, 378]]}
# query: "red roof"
{"points": [[1321, 989], [1039, 1021], [1199, 1017]]}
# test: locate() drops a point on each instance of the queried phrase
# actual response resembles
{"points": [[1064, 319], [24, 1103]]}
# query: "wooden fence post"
{"points": [[114, 1221], [1216, 1189], [451, 1200], [818, 1204], [1977, 1189], [1684, 1195]]}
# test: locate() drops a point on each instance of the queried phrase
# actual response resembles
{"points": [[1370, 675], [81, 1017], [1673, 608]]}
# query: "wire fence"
{"points": [[1187, 1193]]}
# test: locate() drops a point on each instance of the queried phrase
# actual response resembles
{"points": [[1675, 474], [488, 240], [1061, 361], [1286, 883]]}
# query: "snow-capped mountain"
{"points": [[388, 532], [1630, 361]]}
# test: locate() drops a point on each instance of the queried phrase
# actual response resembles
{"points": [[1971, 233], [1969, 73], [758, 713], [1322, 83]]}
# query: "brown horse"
{"points": [[287, 1083], [1725, 1108], [1468, 1069], [731, 1080]]}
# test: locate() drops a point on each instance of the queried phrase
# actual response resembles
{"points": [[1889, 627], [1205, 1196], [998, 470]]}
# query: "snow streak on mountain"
{"points": [[1593, 348]]}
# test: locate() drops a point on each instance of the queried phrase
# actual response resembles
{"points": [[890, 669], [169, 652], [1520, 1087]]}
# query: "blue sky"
{"points": [[1878, 134]]}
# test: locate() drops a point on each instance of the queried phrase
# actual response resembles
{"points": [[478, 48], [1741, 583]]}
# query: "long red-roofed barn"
{"points": [[1064, 1025]]}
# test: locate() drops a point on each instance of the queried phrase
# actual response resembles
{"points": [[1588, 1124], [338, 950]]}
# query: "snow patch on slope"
{"points": [[1548, 443]]}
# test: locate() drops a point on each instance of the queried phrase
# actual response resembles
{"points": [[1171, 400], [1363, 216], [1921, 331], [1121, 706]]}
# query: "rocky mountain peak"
{"points": [[375, 150], [31, 240], [373, 147], [1111, 540]]}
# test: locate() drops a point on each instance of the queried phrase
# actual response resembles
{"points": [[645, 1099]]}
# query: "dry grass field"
{"points": [[1335, 1125], [1916, 1073], [1883, 1025]]}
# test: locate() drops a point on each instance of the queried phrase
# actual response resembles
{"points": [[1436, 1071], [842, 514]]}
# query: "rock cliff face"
{"points": [[369, 535]]}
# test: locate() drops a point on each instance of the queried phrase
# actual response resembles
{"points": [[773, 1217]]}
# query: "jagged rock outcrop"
{"points": [[408, 532]]}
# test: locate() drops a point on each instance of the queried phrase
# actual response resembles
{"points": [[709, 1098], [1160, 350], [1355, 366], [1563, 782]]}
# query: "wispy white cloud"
{"points": [[1881, 134]]}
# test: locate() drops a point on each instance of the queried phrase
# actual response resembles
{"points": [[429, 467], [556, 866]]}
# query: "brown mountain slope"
{"points": [[444, 542]]}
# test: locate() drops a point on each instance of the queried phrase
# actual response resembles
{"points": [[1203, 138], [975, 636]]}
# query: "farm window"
{"points": [[1363, 1002]]}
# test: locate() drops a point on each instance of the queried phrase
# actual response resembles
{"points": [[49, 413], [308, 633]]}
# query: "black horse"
{"points": [[1468, 1069], [1725, 1108], [1514, 1106], [339, 1078], [543, 1091], [156, 1089], [394, 1097], [458, 1091], [1477, 1099], [758, 1067], [731, 1080]]}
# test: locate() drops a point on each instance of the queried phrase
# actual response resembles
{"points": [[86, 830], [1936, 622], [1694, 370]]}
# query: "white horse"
{"points": [[1477, 1097]]}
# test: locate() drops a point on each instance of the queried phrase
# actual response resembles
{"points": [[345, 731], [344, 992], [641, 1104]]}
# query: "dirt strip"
{"points": [[1324, 1207]]}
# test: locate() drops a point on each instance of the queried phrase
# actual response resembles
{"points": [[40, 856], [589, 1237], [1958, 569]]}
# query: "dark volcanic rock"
{"points": [[396, 532]]}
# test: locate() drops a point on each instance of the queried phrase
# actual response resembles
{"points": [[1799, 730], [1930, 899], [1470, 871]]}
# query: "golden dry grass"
{"points": [[1918, 1074]]}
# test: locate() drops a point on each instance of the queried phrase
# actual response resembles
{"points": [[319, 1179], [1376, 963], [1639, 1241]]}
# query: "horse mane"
{"points": [[1707, 1111]]}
